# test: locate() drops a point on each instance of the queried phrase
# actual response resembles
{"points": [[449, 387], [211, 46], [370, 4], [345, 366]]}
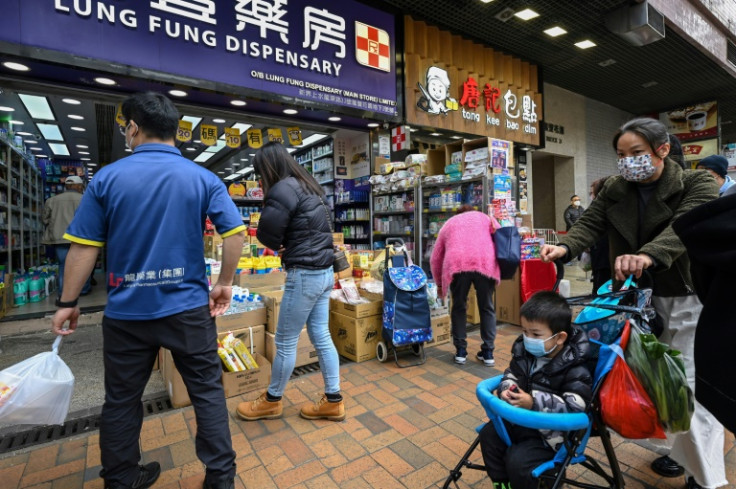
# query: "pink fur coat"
{"points": [[464, 245]]}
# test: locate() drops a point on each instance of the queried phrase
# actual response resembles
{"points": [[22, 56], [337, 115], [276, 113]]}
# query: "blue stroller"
{"points": [[406, 315], [634, 305]]}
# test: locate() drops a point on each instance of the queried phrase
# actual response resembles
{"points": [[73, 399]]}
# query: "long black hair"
{"points": [[273, 163], [651, 130]]}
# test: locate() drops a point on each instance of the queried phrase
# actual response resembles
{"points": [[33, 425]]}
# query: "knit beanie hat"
{"points": [[717, 163]]}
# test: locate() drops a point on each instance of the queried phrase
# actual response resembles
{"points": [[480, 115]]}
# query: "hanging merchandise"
{"points": [[400, 138], [275, 136], [184, 133], [119, 117], [232, 137], [254, 137], [208, 135], [295, 136], [236, 189]]}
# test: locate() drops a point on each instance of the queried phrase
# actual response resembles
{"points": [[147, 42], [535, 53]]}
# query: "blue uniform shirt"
{"points": [[149, 209]]}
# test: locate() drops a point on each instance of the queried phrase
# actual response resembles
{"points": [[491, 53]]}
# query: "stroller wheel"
{"points": [[381, 351], [416, 348]]}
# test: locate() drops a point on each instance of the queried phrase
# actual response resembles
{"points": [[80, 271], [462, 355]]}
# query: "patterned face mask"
{"points": [[636, 168]]}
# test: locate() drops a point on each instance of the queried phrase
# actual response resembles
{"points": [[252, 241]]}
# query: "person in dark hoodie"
{"points": [[548, 373], [708, 232]]}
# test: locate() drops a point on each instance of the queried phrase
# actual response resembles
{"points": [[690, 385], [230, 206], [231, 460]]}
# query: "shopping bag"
{"points": [[507, 243], [625, 405], [36, 391], [661, 371]]}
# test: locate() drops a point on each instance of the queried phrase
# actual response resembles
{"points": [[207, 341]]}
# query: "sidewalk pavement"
{"points": [[405, 429]]}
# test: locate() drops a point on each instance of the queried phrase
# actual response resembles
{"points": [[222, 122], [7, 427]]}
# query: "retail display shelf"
{"points": [[323, 155], [392, 213], [366, 238], [402, 233], [304, 162], [339, 221], [446, 209], [326, 182], [394, 192], [242, 201], [353, 202], [455, 182]]}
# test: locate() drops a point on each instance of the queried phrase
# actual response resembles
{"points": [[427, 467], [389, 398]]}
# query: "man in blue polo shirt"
{"points": [[149, 209]]}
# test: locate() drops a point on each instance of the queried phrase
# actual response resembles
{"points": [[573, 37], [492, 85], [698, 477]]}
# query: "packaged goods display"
{"points": [[235, 355]]}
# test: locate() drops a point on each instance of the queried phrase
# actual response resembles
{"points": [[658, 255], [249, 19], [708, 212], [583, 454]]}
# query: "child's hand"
{"points": [[517, 397]]}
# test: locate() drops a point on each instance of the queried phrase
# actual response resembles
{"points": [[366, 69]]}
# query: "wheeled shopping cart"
{"points": [[406, 316]]}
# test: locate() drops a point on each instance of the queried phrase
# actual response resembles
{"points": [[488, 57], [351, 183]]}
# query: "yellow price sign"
{"points": [[232, 137], [208, 135], [254, 138], [184, 132]]}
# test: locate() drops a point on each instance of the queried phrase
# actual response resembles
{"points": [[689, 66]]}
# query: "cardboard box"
{"points": [[305, 352], [338, 239], [272, 300], [211, 244], [472, 314], [355, 338], [252, 281], [241, 320], [253, 337], [235, 383], [441, 331], [375, 306], [508, 300]]}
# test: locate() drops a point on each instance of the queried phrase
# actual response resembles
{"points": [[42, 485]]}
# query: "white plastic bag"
{"points": [[36, 391]]}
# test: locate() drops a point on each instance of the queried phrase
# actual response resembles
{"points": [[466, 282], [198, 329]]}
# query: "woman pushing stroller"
{"points": [[637, 209]]}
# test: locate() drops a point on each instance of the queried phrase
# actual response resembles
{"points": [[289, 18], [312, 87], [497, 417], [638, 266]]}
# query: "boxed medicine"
{"points": [[355, 338]]}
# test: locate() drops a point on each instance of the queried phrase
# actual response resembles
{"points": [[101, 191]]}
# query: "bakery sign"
{"points": [[455, 84]]}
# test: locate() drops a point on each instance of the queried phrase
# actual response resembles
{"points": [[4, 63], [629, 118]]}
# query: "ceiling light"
{"points": [[219, 144], [105, 81], [228, 168], [59, 149], [526, 14], [290, 111], [29, 142], [243, 159], [313, 139], [197, 141], [86, 159], [78, 129], [334, 119], [37, 106], [6, 109], [457, 137], [220, 172], [486, 1], [82, 146], [91, 164], [290, 150], [555, 31], [413, 130], [435, 134], [84, 152], [373, 124], [71, 101], [219, 121], [36, 148], [23, 133], [242, 127], [585, 44], [50, 132], [17, 123], [251, 154], [76, 117], [203, 157], [238, 103], [191, 149], [177, 93], [16, 66], [194, 120], [41, 156]]}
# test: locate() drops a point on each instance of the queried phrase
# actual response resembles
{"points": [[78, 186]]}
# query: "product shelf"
{"points": [[402, 233], [393, 213], [452, 184], [446, 209], [394, 192], [351, 220]]}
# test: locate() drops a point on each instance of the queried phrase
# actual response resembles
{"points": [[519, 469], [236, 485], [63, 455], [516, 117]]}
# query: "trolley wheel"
{"points": [[416, 348], [381, 351]]}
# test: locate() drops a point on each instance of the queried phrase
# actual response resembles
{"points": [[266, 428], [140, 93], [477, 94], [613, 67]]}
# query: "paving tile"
{"points": [[174, 422], [346, 445], [73, 481], [372, 422], [52, 473], [427, 476], [411, 453], [162, 456], [323, 481], [392, 462], [164, 440], [10, 459], [352, 470], [42, 458], [379, 477], [92, 473], [72, 450], [11, 475], [258, 477], [183, 452], [299, 474]]}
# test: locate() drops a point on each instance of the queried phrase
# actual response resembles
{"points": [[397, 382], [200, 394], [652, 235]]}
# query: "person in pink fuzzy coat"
{"points": [[464, 255]]}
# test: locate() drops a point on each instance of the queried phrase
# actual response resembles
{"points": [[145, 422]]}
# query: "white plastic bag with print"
{"points": [[36, 391]]}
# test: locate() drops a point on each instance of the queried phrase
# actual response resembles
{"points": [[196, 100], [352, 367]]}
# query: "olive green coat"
{"points": [[616, 211]]}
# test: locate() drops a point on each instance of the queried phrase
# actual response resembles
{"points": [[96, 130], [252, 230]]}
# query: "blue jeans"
{"points": [[306, 300], [61, 252]]}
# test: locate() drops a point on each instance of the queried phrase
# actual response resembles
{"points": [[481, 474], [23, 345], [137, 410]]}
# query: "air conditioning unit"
{"points": [[639, 24]]}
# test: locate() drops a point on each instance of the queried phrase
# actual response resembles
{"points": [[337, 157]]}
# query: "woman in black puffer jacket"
{"points": [[296, 221]]}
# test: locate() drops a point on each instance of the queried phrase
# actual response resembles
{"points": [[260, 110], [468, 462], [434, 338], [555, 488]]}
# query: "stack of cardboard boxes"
{"points": [[305, 352], [356, 328]]}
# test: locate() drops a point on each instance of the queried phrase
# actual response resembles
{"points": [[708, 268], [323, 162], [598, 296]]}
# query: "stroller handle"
{"points": [[494, 406], [560, 270]]}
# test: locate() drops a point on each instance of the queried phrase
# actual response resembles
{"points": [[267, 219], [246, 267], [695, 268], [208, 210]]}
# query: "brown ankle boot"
{"points": [[323, 409], [261, 408]]}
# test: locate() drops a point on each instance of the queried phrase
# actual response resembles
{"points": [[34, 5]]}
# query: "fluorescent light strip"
{"points": [[242, 126], [220, 144], [50, 132], [37, 106], [194, 120], [59, 149], [313, 139], [203, 157]]}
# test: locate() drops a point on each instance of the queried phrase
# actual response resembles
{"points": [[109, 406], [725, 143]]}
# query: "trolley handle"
{"points": [[560, 269], [400, 245]]}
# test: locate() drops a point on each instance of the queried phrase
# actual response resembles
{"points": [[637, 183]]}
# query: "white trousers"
{"points": [[699, 450]]}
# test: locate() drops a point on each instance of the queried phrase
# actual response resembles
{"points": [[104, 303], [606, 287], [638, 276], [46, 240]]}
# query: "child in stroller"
{"points": [[549, 372]]}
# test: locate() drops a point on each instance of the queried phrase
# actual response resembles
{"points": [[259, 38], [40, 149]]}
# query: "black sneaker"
{"points": [[147, 475], [666, 467], [691, 484], [222, 484], [486, 357], [460, 355]]}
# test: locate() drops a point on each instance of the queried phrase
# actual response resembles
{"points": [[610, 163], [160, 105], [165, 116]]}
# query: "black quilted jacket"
{"points": [[298, 221]]}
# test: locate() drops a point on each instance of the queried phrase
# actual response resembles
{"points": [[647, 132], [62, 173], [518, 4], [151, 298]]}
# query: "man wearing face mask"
{"points": [[637, 209], [573, 212]]}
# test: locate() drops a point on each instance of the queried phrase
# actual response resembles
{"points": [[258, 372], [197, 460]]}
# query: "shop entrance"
{"points": [[553, 180]]}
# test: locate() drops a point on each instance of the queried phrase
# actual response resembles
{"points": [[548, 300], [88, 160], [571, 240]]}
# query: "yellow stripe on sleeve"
{"points": [[82, 241], [233, 231]]}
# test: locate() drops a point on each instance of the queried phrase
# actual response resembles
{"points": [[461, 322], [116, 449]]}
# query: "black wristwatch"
{"points": [[73, 303]]}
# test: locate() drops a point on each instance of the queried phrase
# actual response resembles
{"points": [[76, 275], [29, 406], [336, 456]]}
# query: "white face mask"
{"points": [[129, 144], [576, 203]]}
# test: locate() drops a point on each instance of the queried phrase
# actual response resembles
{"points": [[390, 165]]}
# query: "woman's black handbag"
{"points": [[507, 242]]}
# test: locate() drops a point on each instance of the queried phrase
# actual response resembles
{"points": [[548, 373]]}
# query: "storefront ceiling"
{"points": [[683, 74]]}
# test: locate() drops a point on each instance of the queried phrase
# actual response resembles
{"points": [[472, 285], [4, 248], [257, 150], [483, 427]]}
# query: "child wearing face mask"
{"points": [[549, 372]]}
